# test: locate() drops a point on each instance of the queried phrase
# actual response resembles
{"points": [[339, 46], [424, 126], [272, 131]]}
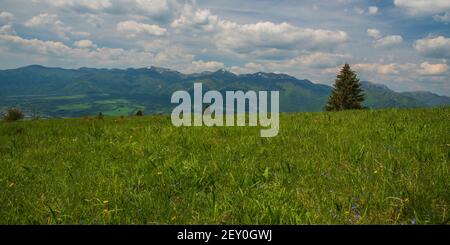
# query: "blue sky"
{"points": [[404, 44]]}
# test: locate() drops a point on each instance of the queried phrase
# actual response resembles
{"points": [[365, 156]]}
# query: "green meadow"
{"points": [[353, 167]]}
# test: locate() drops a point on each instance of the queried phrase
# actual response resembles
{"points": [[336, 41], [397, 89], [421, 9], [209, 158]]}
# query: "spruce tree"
{"points": [[347, 92]]}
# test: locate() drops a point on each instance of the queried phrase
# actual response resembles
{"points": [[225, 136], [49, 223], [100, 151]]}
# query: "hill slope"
{"points": [[58, 92], [351, 167]]}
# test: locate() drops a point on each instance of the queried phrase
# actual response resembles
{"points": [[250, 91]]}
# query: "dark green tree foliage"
{"points": [[139, 113], [13, 114], [347, 93]]}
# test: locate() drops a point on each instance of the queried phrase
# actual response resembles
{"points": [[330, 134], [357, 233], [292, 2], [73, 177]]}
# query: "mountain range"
{"points": [[58, 92]]}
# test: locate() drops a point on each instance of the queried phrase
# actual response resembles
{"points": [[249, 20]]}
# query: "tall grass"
{"points": [[353, 167]]}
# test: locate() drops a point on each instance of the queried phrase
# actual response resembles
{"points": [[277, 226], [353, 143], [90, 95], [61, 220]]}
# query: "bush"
{"points": [[13, 114], [139, 113], [100, 116]]}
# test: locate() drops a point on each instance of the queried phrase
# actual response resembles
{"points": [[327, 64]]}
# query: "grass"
{"points": [[353, 167], [81, 106], [67, 97]]}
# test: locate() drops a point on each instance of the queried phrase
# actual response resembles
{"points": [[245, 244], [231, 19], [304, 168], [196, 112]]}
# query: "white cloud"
{"points": [[35, 45], [383, 69], [439, 9], [153, 7], [81, 5], [84, 44], [94, 20], [5, 23], [359, 11], [318, 60], [133, 28], [248, 68], [6, 17], [374, 33], [306, 62], [388, 41], [263, 39], [244, 38], [433, 47], [97, 57], [52, 22], [7, 30], [445, 17], [200, 65], [200, 19], [423, 7], [372, 10], [42, 20], [432, 69]]}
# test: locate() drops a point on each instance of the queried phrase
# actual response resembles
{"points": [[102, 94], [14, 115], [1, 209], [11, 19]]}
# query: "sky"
{"points": [[404, 44]]}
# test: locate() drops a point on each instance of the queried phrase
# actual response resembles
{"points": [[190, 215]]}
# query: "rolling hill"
{"points": [[57, 92]]}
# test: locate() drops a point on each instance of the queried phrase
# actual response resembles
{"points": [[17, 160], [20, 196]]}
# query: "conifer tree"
{"points": [[347, 92]]}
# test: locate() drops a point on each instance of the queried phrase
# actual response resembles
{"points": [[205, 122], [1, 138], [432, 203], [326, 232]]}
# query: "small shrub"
{"points": [[139, 113], [100, 116], [13, 114]]}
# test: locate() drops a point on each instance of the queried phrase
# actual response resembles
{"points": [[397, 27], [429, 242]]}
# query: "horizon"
{"points": [[404, 45], [221, 69]]}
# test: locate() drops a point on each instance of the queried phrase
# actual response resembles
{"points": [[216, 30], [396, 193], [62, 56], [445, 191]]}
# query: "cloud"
{"points": [[7, 29], [265, 35], [372, 10], [84, 44], [154, 8], [94, 20], [308, 62], [442, 18], [197, 19], [374, 33], [52, 22], [49, 21], [35, 45], [388, 41], [383, 69], [41, 20], [6, 17], [261, 39], [200, 65], [247, 68], [439, 9], [61, 54], [161, 10], [423, 7], [133, 28], [433, 47], [433, 69], [318, 60], [81, 5], [359, 11]]}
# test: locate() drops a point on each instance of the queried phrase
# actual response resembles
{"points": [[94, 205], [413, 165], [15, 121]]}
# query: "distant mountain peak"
{"points": [[161, 70], [372, 85], [224, 71]]}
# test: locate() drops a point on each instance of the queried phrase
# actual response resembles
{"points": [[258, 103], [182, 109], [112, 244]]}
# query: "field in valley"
{"points": [[354, 167]]}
